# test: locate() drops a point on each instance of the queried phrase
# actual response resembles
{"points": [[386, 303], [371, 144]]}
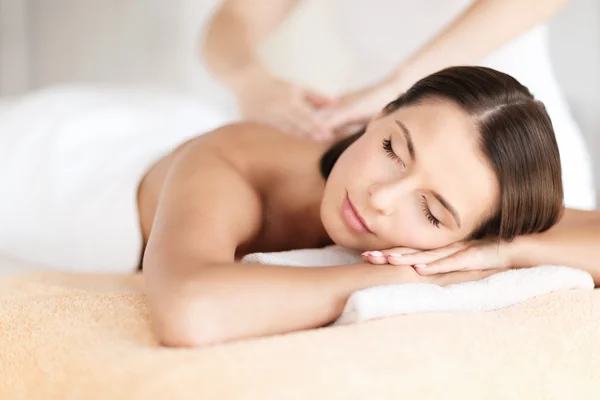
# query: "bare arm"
{"points": [[230, 50], [574, 242], [235, 32], [484, 27], [198, 295]]}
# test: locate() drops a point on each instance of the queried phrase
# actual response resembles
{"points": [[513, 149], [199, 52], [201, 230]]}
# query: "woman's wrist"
{"points": [[526, 251]]}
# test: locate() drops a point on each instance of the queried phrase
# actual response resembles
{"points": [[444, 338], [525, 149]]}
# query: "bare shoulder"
{"points": [[240, 140], [235, 143], [249, 156], [243, 131], [259, 151], [237, 146], [178, 217]]}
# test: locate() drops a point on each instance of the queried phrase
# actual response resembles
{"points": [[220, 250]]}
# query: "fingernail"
{"points": [[420, 265], [375, 253]]}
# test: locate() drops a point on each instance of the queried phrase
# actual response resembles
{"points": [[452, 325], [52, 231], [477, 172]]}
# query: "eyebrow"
{"points": [[448, 207], [408, 137]]}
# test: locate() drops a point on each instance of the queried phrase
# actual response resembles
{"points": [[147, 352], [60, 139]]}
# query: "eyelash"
{"points": [[433, 220], [387, 146]]}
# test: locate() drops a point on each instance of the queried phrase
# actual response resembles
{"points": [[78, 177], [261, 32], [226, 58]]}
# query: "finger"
{"points": [[338, 117], [299, 126], [307, 119], [424, 257], [318, 100], [374, 257], [399, 251], [460, 261], [478, 257], [381, 257], [285, 125], [398, 256]]}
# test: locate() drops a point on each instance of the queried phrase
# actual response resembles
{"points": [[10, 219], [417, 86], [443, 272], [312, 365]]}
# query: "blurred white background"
{"points": [[47, 42]]}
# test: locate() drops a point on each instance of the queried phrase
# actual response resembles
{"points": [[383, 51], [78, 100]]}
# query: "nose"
{"points": [[383, 197]]}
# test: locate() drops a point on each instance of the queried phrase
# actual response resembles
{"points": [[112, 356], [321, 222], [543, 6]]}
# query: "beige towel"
{"points": [[66, 336]]}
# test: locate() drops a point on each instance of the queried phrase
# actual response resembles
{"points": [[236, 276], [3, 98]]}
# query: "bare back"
{"points": [[282, 172]]}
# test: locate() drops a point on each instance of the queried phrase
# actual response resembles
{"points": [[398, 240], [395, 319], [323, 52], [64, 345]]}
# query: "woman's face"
{"points": [[416, 178]]}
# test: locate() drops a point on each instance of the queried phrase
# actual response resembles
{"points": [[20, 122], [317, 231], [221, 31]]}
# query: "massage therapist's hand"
{"points": [[289, 107], [482, 254], [353, 110]]}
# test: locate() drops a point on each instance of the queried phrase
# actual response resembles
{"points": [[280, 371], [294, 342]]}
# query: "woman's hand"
{"points": [[485, 254], [287, 106], [355, 109]]}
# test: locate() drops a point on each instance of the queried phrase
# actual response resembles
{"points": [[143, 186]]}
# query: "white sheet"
{"points": [[71, 160]]}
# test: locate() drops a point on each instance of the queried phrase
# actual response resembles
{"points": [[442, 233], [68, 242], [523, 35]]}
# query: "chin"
{"points": [[344, 240], [341, 235]]}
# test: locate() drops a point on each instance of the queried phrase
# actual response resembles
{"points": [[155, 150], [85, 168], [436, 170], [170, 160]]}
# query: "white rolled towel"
{"points": [[494, 292]]}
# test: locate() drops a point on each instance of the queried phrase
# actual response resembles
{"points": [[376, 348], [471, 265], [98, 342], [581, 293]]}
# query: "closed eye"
{"points": [[432, 220], [387, 147]]}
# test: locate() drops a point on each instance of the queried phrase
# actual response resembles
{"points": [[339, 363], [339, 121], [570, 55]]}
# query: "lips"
{"points": [[352, 218]]}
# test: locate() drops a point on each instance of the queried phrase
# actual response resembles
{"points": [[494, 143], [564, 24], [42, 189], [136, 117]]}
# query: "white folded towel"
{"points": [[494, 292]]}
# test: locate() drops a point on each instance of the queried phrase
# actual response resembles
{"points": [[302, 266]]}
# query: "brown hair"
{"points": [[516, 136]]}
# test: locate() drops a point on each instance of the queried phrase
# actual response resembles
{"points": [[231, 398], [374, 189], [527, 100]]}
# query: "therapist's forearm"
{"points": [[573, 242], [234, 34], [484, 27]]}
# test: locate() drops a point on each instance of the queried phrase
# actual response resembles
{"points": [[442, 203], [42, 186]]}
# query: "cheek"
{"points": [[410, 229], [404, 230], [360, 160]]}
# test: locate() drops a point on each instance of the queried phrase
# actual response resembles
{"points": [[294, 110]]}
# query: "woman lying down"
{"points": [[457, 179]]}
